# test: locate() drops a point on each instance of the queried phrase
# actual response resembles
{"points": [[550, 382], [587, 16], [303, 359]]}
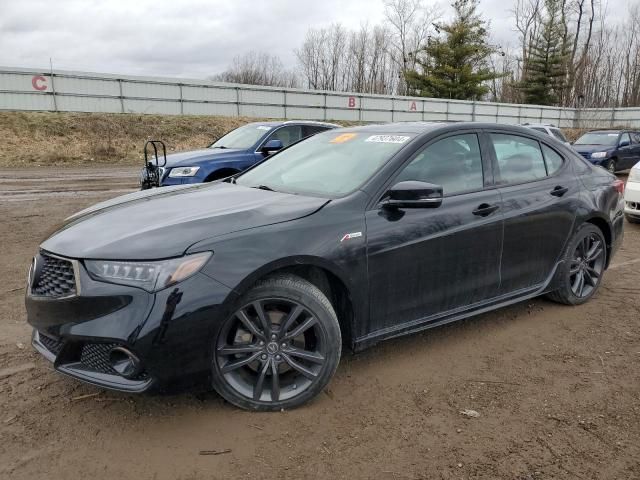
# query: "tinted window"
{"points": [[553, 160], [287, 135], [558, 134], [635, 136], [329, 164], [308, 130], [454, 163], [625, 138], [519, 158]]}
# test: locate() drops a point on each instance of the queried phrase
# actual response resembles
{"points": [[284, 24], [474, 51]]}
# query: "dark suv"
{"points": [[614, 150], [236, 151]]}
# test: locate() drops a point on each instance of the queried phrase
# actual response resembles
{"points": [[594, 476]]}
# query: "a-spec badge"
{"points": [[349, 236]]}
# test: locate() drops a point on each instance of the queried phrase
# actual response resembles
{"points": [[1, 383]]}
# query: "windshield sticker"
{"points": [[345, 137], [263, 127], [387, 139]]}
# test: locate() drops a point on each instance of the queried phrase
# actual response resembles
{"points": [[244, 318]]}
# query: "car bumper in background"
{"points": [[632, 199]]}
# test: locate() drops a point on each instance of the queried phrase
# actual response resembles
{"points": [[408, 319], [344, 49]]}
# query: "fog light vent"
{"points": [[124, 362]]}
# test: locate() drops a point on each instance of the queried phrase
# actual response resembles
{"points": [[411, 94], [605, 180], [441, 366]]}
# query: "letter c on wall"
{"points": [[38, 82]]}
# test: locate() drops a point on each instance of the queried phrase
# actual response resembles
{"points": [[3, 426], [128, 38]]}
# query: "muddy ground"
{"points": [[557, 388]]}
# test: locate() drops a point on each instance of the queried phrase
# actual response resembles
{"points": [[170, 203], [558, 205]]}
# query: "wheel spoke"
{"points": [[595, 254], [574, 267], [291, 317], [580, 283], [588, 279], [262, 316], [275, 382], [230, 366], [236, 349], [303, 327], [305, 355], [299, 367], [259, 386], [249, 325], [593, 273], [576, 283]]}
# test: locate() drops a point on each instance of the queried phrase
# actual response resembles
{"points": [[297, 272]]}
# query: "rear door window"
{"points": [[519, 159], [308, 130], [625, 138]]}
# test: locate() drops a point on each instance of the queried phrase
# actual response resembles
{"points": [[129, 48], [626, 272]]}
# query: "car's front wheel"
{"points": [[279, 348], [612, 166], [581, 272]]}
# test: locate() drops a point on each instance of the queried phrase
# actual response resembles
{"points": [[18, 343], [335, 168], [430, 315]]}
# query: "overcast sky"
{"points": [[186, 38]]}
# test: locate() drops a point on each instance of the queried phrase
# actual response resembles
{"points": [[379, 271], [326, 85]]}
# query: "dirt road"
{"points": [[557, 388]]}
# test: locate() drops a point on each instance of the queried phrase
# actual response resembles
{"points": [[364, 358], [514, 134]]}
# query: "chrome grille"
{"points": [[53, 277]]}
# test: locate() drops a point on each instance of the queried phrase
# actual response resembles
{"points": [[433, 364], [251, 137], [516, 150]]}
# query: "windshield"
{"points": [[598, 138], [328, 164], [242, 138]]}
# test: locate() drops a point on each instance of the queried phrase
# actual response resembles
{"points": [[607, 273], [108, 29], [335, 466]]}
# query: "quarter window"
{"points": [[552, 159], [625, 138], [453, 163], [519, 158], [558, 134]]}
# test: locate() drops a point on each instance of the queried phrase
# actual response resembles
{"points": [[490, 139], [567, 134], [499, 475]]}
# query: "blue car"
{"points": [[614, 150], [236, 151]]}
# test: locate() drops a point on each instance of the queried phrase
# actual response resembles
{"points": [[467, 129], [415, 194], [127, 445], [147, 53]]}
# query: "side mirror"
{"points": [[272, 146], [413, 194], [624, 143]]}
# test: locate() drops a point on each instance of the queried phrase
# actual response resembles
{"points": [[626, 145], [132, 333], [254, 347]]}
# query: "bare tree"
{"points": [[257, 68]]}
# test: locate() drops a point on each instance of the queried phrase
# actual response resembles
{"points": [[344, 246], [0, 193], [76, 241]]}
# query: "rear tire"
{"points": [[280, 347], [580, 274]]}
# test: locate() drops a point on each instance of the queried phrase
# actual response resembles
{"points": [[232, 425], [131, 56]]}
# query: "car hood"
{"points": [[194, 157], [592, 148], [164, 222]]}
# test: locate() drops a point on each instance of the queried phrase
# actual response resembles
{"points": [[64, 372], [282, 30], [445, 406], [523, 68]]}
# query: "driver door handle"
{"points": [[485, 209], [559, 191]]}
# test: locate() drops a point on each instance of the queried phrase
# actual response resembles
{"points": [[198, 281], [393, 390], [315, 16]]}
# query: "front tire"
{"points": [[279, 348], [581, 271], [612, 167]]}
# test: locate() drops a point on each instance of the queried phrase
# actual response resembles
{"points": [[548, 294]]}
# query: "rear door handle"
{"points": [[559, 191], [485, 209]]}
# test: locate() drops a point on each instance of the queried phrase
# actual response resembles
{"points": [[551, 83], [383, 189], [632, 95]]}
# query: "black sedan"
{"points": [[255, 283]]}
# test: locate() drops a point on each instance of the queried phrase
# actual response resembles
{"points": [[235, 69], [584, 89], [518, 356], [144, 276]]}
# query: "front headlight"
{"points": [[598, 154], [150, 276], [634, 175], [183, 172]]}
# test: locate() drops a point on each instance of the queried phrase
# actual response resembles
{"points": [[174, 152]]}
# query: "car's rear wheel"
{"points": [[612, 166], [580, 274], [279, 348]]}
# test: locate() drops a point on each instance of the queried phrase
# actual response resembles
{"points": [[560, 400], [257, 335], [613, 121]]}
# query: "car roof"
{"points": [[549, 125], [276, 123], [607, 131], [426, 127]]}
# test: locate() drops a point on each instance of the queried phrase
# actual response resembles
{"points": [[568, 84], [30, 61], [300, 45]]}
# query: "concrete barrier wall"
{"points": [[67, 91]]}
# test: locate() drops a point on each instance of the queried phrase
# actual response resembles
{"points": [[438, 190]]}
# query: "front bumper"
{"points": [[632, 199], [169, 331]]}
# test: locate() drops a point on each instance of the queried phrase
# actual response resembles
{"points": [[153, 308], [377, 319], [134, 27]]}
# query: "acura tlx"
{"points": [[255, 283]]}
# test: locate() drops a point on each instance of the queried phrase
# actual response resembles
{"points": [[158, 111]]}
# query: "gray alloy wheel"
{"points": [[279, 349], [584, 263], [611, 166]]}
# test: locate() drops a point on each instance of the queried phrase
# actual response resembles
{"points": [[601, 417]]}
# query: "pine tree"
{"points": [[455, 65], [546, 65]]}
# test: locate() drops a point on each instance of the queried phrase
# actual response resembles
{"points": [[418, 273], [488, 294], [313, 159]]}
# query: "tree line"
{"points": [[564, 53]]}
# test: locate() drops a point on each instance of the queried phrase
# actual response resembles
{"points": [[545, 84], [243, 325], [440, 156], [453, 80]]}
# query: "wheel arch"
{"points": [[605, 227], [325, 275]]}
